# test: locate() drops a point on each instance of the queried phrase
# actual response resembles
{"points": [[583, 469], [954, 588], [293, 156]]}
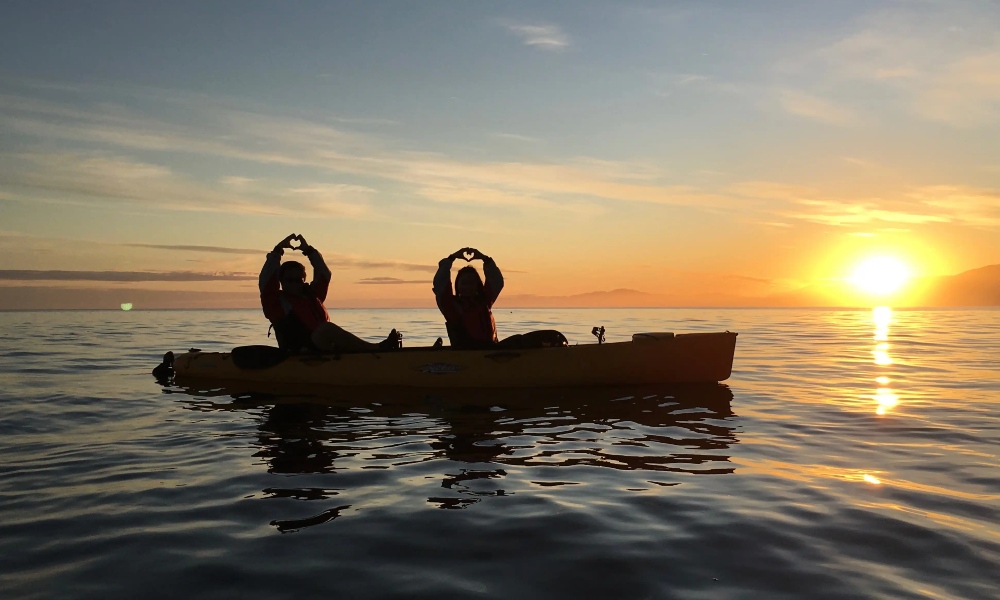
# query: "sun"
{"points": [[880, 275]]}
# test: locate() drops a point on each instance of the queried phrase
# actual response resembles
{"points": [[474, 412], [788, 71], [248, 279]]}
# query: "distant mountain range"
{"points": [[978, 287]]}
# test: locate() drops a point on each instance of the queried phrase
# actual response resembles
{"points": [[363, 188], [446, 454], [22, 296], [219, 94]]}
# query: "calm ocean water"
{"points": [[853, 454]]}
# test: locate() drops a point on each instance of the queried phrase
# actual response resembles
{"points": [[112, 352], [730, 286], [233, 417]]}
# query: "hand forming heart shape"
{"points": [[468, 255], [294, 238]]}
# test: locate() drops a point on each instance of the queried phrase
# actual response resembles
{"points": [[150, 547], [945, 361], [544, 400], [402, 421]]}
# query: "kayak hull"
{"points": [[650, 359]]}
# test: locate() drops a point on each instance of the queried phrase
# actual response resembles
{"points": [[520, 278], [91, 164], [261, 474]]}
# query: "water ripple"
{"points": [[848, 457]]}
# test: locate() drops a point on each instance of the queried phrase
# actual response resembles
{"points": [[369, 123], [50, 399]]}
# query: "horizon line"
{"points": [[852, 308]]}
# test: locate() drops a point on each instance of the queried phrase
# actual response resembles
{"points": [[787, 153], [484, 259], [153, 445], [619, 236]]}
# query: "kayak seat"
{"points": [[258, 357], [657, 336], [543, 338]]}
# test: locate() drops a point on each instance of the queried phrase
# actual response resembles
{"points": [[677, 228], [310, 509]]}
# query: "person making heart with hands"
{"points": [[295, 308], [467, 308]]}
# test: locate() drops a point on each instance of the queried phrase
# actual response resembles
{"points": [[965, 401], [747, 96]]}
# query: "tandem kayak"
{"points": [[650, 358]]}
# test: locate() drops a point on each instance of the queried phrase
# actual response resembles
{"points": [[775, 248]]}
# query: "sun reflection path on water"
{"points": [[884, 397]]}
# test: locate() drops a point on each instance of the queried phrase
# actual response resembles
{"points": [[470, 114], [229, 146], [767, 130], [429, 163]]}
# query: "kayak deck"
{"points": [[649, 358]]}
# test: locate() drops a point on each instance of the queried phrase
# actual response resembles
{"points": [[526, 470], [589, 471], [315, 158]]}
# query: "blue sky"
{"points": [[660, 146]]}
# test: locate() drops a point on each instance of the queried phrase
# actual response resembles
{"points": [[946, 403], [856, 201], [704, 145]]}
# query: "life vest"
{"points": [[294, 317], [306, 308], [469, 321]]}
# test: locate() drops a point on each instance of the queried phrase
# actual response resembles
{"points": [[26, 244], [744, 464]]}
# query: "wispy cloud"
{"points": [[777, 96], [209, 249], [938, 61], [335, 261], [772, 190], [806, 105], [860, 162], [973, 206], [516, 137], [344, 262], [688, 79], [666, 84], [966, 93], [238, 182], [913, 206], [582, 186], [546, 37], [390, 281], [955, 205], [108, 173], [118, 276], [332, 199], [103, 178], [847, 213]]}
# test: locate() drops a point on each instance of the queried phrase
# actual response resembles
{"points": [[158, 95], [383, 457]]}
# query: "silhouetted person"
{"points": [[468, 309], [295, 308]]}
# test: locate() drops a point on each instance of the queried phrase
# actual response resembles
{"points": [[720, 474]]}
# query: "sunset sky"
{"points": [[697, 150]]}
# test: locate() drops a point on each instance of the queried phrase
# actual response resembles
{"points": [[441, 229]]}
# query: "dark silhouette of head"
{"points": [[468, 283], [292, 276]]}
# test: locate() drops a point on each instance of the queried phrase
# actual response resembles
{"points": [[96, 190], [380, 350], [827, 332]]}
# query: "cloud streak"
{"points": [[209, 249], [346, 262], [339, 161], [922, 205], [121, 276], [390, 281], [838, 214], [973, 206], [105, 175], [806, 105], [100, 178], [907, 58], [545, 37], [335, 261]]}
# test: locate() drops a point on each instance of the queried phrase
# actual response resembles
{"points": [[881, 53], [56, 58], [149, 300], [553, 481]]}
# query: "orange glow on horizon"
{"points": [[893, 268]]}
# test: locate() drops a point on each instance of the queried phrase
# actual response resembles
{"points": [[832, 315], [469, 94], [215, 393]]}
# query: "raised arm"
{"points": [[321, 273], [494, 279], [442, 279], [268, 281]]}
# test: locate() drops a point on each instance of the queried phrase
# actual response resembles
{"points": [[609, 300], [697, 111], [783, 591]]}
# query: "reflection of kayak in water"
{"points": [[648, 358], [468, 445], [590, 402]]}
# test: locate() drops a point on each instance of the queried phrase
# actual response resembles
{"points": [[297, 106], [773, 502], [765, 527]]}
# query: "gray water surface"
{"points": [[852, 455]]}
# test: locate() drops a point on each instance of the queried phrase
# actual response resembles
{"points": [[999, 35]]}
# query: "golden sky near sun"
{"points": [[723, 156]]}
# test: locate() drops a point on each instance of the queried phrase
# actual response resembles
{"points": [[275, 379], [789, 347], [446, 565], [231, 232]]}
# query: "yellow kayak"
{"points": [[649, 358]]}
